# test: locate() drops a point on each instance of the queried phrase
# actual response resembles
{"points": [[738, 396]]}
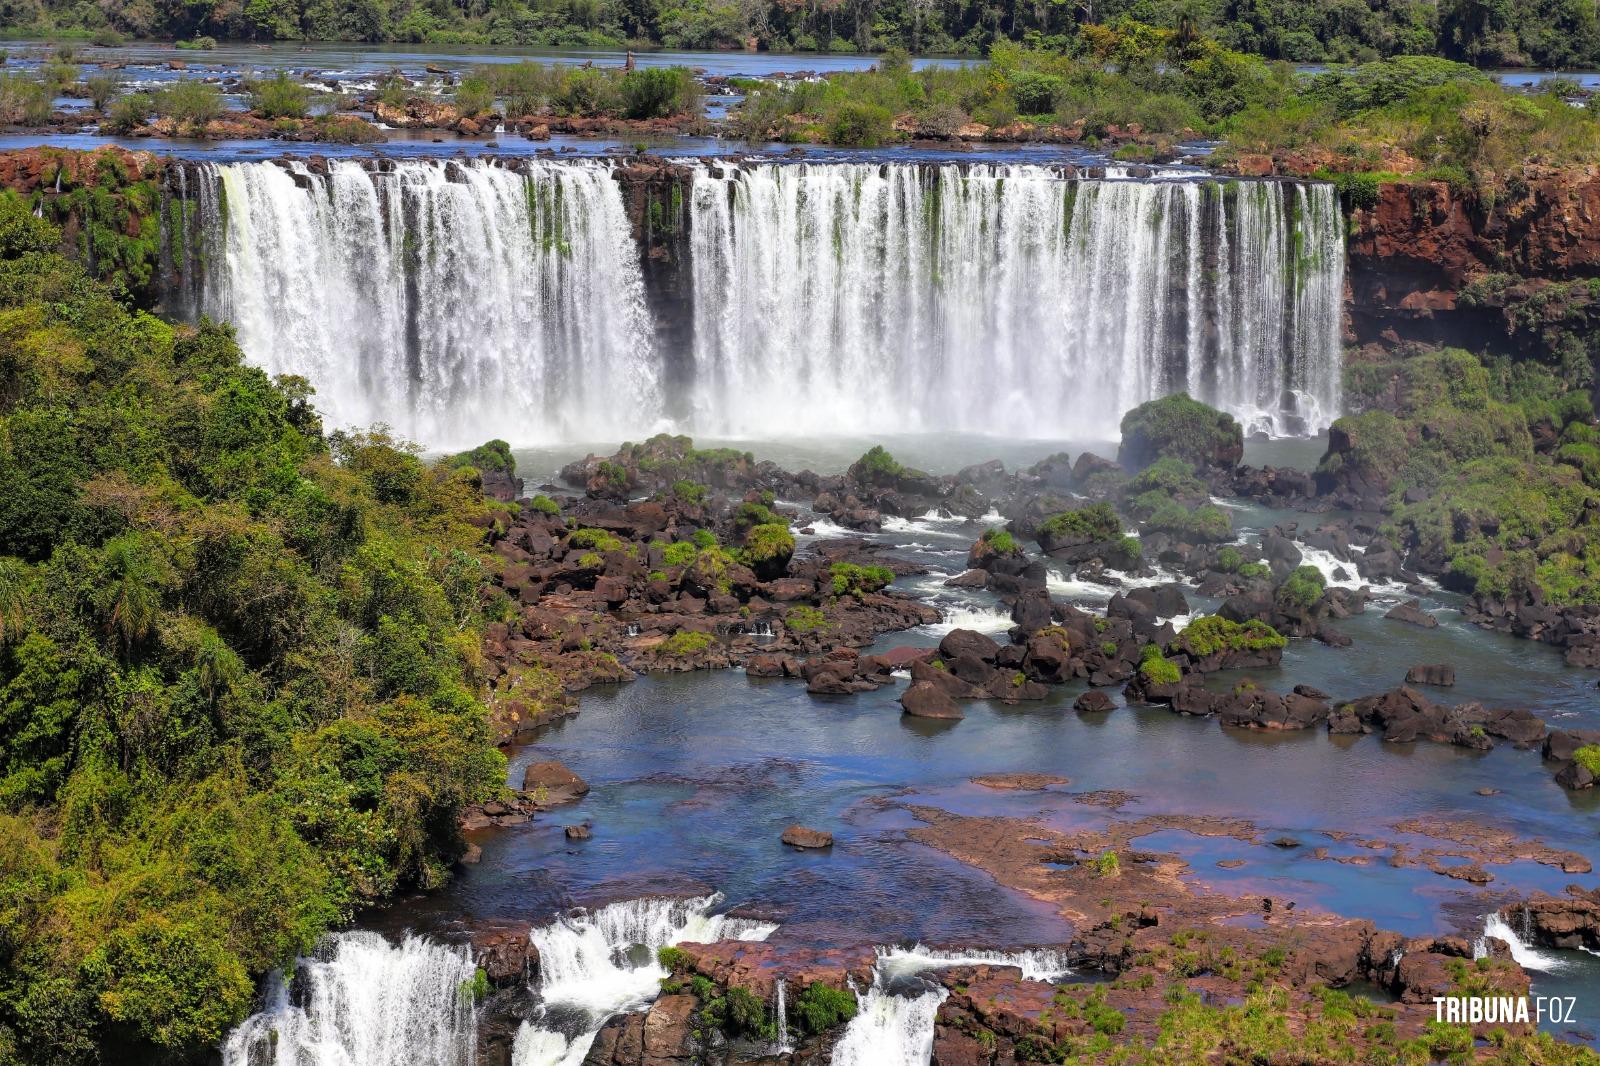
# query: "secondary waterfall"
{"points": [[593, 964], [452, 302], [1523, 952], [461, 300], [1003, 299], [895, 1017], [363, 1000]]}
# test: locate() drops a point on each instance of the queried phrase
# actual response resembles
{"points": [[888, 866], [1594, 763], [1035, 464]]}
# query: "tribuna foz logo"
{"points": [[1502, 1010]]}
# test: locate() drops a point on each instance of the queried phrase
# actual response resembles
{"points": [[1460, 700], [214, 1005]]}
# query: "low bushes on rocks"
{"points": [[1178, 427]]}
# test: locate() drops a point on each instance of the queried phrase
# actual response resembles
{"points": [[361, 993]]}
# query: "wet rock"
{"points": [[1411, 613], [578, 832], [798, 836], [1441, 675], [967, 642], [924, 699], [772, 666], [502, 950], [1094, 701], [552, 783]]}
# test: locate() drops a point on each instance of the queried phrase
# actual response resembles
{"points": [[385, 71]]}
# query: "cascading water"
{"points": [[894, 1019], [458, 300], [593, 964], [363, 1000], [998, 299], [454, 302], [1523, 951]]}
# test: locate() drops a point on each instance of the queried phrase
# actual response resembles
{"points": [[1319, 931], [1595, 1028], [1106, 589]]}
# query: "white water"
{"points": [[459, 300], [1003, 299], [963, 616], [365, 1002], [890, 1029], [455, 302], [586, 968], [1526, 955]]}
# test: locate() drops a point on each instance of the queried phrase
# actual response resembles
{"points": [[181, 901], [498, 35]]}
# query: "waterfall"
{"points": [[1523, 951], [780, 1012], [363, 1001], [895, 1017], [455, 302], [460, 300], [593, 964], [1006, 299]]}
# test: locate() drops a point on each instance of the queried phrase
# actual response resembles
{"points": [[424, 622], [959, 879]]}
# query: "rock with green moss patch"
{"points": [[1177, 427]]}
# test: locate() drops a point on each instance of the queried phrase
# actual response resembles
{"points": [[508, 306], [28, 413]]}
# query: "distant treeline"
{"points": [[1541, 33]]}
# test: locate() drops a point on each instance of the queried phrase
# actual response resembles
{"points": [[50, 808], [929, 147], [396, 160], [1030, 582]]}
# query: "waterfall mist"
{"points": [[457, 301]]}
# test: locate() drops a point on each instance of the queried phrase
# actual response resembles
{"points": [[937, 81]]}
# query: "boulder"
{"points": [[502, 949], [968, 642], [1094, 701], [924, 699], [555, 781], [1411, 613], [1441, 675], [798, 836]]}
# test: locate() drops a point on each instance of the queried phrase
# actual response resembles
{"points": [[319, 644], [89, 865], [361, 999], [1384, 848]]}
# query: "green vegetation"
{"points": [[495, 457], [1213, 633], [877, 467], [996, 542], [803, 619], [545, 505], [686, 642], [1301, 590], [1207, 522], [768, 549], [1588, 757], [1490, 512], [672, 959], [1107, 865], [1177, 427], [1156, 668], [280, 96], [528, 89], [190, 104], [598, 539], [851, 580], [821, 1007], [238, 696], [1095, 522]]}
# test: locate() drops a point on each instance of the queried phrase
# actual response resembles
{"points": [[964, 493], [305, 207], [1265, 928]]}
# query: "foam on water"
{"points": [[1526, 955]]}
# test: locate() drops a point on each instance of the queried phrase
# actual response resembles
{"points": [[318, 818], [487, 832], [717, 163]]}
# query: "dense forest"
{"points": [[1542, 33], [237, 685]]}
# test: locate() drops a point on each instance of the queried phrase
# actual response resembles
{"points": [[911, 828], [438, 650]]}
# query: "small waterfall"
{"points": [[1007, 299], [894, 1024], [889, 1029], [454, 301], [364, 1001], [780, 1011], [593, 964], [1523, 951]]}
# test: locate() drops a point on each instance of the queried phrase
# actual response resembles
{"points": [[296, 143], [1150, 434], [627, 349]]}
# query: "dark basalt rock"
{"points": [[1441, 675], [1094, 701], [1411, 613], [924, 699], [559, 783], [959, 643]]}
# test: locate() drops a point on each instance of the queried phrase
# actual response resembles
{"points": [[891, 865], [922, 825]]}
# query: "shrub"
{"points": [[1156, 668], [494, 455], [690, 492], [473, 96], [24, 101], [103, 88], [997, 542], [131, 111], [768, 549], [877, 467], [686, 642], [1107, 865], [1086, 524], [679, 553], [852, 580], [1588, 757], [189, 103], [659, 92], [1254, 571], [803, 619], [821, 1007], [599, 539], [1301, 589], [1229, 560], [1205, 523], [1213, 633], [280, 96], [672, 959], [860, 125], [1178, 427]]}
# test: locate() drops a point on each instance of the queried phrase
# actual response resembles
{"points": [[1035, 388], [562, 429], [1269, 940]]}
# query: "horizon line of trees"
{"points": [[1538, 33]]}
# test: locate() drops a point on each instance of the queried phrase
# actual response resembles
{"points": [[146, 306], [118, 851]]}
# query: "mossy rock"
{"points": [[1177, 427]]}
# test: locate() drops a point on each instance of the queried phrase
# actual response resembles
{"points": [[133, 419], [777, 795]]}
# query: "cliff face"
{"points": [[1433, 264]]}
